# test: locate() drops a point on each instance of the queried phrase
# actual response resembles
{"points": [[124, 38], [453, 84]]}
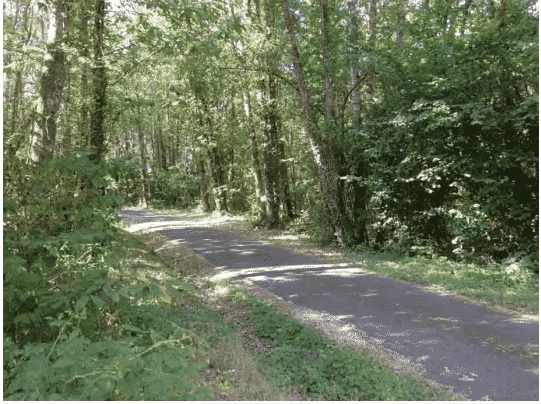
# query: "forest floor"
{"points": [[476, 347]]}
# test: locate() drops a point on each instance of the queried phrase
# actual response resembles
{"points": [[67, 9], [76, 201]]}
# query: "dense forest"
{"points": [[406, 126]]}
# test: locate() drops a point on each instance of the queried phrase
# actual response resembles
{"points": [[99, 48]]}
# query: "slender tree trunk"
{"points": [[161, 145], [354, 62], [269, 152], [285, 194], [256, 162], [216, 168], [97, 119], [399, 24], [203, 185], [145, 189], [372, 43], [465, 13], [322, 151], [281, 177]]}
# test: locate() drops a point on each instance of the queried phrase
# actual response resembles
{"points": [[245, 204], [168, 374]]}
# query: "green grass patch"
{"points": [[515, 284], [304, 358]]}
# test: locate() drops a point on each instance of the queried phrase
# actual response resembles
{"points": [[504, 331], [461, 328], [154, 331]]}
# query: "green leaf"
{"points": [[81, 303], [98, 301], [129, 327]]}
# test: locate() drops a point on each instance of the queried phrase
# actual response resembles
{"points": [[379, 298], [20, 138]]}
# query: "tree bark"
{"points": [[256, 162], [97, 119], [354, 63], [269, 155], [52, 87], [322, 151], [203, 185], [162, 155], [84, 53], [145, 190], [372, 43], [216, 168], [283, 176], [399, 24]]}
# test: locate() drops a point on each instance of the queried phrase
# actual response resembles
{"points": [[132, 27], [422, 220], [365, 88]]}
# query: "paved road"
{"points": [[476, 352]]}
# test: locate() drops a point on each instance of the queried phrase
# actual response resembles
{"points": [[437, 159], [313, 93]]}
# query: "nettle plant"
{"points": [[57, 225]]}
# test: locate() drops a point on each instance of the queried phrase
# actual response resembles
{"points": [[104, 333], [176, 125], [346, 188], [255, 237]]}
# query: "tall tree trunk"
{"points": [[161, 145], [145, 189], [256, 162], [52, 87], [269, 153], [465, 13], [97, 119], [281, 177], [84, 53], [399, 24], [322, 151], [354, 63], [285, 194], [203, 185], [372, 43], [330, 114], [355, 193], [216, 168]]}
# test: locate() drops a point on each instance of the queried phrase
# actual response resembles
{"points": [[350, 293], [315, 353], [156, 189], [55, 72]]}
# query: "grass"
{"points": [[231, 371], [513, 286]]}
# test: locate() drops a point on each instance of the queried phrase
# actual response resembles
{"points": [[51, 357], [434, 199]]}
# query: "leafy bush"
{"points": [[77, 369], [321, 230], [62, 222], [173, 187]]}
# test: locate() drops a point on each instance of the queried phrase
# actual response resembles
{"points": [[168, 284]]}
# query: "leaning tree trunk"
{"points": [[322, 150]]}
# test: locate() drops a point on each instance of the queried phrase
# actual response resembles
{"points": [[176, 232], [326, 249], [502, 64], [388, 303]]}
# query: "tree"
{"points": [[321, 149], [99, 78], [52, 85]]}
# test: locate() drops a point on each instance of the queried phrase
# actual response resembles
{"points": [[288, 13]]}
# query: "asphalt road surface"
{"points": [[470, 350]]}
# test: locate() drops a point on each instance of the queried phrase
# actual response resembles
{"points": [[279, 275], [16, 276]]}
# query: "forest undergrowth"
{"points": [[162, 333]]}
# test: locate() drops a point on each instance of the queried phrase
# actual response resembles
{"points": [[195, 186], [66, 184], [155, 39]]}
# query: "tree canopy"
{"points": [[388, 123]]}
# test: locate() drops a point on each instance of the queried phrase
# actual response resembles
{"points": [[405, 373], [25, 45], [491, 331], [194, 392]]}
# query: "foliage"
{"points": [[75, 368], [173, 188], [513, 283], [125, 177], [59, 223], [455, 170], [308, 359]]}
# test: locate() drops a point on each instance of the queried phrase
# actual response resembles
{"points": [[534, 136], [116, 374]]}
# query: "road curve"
{"points": [[470, 350]]}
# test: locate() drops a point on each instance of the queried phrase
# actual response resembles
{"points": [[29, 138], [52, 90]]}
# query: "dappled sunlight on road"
{"points": [[422, 330], [291, 276]]}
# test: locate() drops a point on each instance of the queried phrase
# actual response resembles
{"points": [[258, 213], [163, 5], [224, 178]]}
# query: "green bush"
{"points": [[74, 368], [63, 222], [173, 188]]}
